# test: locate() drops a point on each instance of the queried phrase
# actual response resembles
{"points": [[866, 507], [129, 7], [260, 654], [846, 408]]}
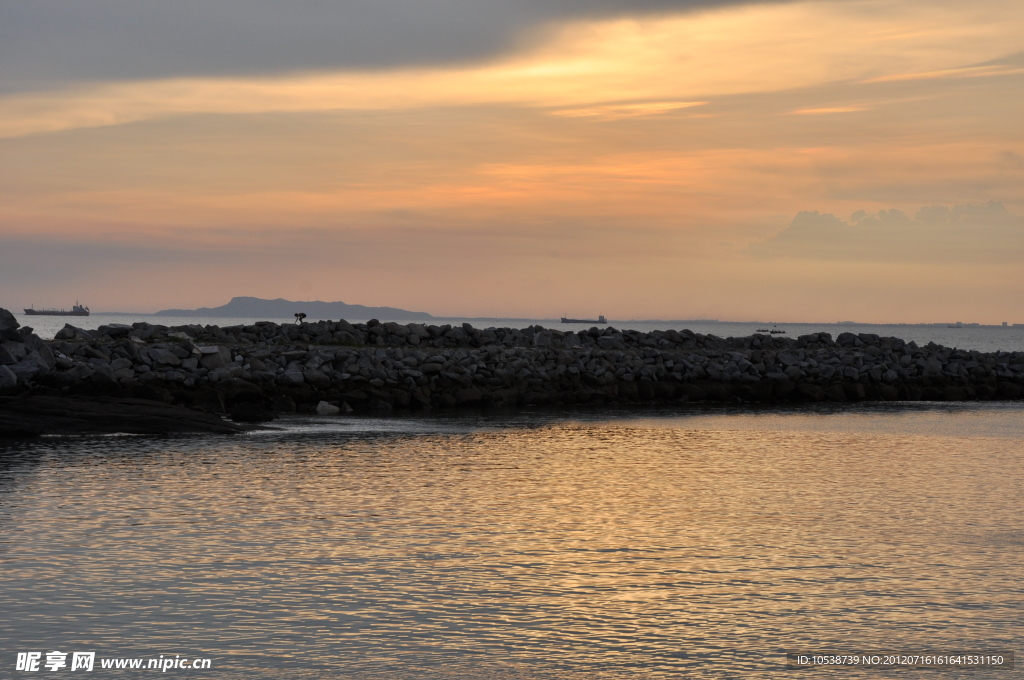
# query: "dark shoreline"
{"points": [[252, 372]]}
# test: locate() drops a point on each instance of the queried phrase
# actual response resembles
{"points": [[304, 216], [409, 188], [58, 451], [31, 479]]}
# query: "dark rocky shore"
{"points": [[252, 372]]}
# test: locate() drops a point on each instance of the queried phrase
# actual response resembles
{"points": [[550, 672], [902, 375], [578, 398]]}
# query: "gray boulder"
{"points": [[316, 378], [213, 357], [932, 368], [8, 379], [164, 357], [7, 321], [292, 376], [226, 371], [115, 330], [29, 368], [787, 359], [35, 344], [12, 353], [418, 330], [118, 364], [103, 374], [614, 341], [326, 409], [70, 332]]}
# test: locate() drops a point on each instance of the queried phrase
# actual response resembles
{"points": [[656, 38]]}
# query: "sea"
{"points": [[691, 541], [619, 542], [1009, 338]]}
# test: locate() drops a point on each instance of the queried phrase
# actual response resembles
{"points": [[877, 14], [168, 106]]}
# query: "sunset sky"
{"points": [[796, 161]]}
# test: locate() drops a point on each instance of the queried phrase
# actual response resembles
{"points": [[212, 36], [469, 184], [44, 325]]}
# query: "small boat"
{"points": [[776, 331], [762, 330], [77, 310], [599, 320]]}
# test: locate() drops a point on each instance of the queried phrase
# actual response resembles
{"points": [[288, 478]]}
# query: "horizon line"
{"points": [[610, 322]]}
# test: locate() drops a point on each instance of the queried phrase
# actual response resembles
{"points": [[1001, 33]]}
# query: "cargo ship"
{"points": [[599, 319], [77, 310]]}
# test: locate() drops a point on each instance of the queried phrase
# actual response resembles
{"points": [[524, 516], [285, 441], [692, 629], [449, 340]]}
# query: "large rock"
{"points": [[932, 368], [226, 372], [35, 344], [12, 353], [238, 388], [115, 330], [29, 368], [118, 364], [213, 357], [316, 378], [7, 320], [8, 379], [70, 332], [326, 409], [103, 374], [292, 376], [613, 341], [164, 357]]}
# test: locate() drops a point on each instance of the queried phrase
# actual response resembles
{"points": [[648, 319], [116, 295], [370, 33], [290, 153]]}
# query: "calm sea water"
{"points": [[630, 543], [982, 338]]}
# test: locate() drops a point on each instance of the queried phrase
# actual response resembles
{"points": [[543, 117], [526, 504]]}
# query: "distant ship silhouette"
{"points": [[77, 310], [599, 319]]}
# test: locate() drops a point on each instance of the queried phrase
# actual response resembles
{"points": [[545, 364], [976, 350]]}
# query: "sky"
{"points": [[790, 161]]}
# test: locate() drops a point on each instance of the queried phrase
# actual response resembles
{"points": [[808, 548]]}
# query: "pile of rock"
{"points": [[258, 369], [23, 355]]}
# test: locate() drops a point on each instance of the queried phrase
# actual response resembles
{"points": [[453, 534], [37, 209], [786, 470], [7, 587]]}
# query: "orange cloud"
{"points": [[967, 72], [619, 111], [827, 110], [583, 67]]}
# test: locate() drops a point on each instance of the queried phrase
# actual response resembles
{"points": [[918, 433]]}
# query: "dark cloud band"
{"points": [[43, 44]]}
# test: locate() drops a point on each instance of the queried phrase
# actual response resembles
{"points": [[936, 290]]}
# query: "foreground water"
{"points": [[639, 543]]}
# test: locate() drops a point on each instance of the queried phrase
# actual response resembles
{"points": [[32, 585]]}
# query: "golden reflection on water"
{"points": [[521, 547]]}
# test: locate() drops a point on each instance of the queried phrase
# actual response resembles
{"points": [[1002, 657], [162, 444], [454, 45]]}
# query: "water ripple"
{"points": [[526, 545]]}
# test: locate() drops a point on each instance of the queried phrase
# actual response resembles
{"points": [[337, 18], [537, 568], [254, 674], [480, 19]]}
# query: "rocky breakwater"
{"points": [[29, 405], [254, 371]]}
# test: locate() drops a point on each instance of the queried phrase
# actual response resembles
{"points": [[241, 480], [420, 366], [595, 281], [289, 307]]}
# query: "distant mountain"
{"points": [[257, 308]]}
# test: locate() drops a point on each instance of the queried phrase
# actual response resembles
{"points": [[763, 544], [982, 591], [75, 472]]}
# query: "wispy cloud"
{"points": [[588, 69], [619, 111], [967, 72], [827, 110]]}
